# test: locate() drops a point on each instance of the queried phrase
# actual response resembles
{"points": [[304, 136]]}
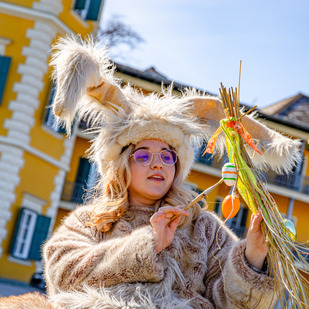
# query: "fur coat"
{"points": [[204, 266]]}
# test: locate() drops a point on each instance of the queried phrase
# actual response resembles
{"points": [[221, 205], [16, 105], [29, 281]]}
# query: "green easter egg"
{"points": [[290, 229]]}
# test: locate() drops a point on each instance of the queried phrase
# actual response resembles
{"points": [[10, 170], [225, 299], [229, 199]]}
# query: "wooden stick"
{"points": [[236, 105], [227, 99], [231, 101], [203, 194], [222, 99], [222, 93], [238, 98], [247, 112], [199, 197], [234, 98]]}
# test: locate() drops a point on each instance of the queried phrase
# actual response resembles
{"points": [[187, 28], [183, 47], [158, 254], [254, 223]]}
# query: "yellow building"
{"points": [[44, 174], [34, 155]]}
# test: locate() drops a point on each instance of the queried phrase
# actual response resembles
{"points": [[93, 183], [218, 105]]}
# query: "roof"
{"points": [[294, 109], [269, 113], [152, 75]]}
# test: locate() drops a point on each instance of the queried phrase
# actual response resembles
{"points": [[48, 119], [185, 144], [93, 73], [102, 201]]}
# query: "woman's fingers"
{"points": [[163, 228], [256, 221], [168, 212], [171, 211]]}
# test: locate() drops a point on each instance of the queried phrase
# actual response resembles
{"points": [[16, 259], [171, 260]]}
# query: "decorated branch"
{"points": [[286, 257]]}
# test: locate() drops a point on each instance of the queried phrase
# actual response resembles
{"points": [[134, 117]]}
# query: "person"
{"points": [[134, 245], [147, 262]]}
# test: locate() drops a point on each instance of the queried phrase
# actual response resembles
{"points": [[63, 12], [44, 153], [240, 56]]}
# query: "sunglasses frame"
{"points": [[155, 153]]}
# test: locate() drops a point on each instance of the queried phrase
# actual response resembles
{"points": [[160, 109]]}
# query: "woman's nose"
{"points": [[156, 162]]}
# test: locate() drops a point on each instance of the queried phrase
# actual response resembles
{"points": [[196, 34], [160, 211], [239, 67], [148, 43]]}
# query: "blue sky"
{"points": [[201, 42]]}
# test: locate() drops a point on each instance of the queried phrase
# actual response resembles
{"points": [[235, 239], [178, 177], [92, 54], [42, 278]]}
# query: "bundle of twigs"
{"points": [[286, 261]]}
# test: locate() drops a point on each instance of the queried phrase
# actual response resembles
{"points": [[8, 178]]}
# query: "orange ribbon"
{"points": [[212, 142], [239, 128]]}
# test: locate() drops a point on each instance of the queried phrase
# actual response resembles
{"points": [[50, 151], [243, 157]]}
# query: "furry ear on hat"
{"points": [[280, 153], [84, 78]]}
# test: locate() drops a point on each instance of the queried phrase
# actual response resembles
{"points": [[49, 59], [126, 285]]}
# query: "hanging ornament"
{"points": [[229, 174], [289, 228], [230, 206]]}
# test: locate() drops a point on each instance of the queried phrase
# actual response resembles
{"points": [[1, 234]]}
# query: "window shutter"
{"points": [[49, 116], [93, 10], [81, 180], [4, 70], [52, 95], [79, 4], [39, 236], [12, 247], [83, 170]]}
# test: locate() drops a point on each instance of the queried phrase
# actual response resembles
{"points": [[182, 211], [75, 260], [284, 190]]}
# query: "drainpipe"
{"points": [[290, 208], [299, 177]]}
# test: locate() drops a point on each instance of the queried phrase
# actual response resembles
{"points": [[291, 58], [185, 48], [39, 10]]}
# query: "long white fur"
{"points": [[77, 65], [124, 296], [135, 296]]}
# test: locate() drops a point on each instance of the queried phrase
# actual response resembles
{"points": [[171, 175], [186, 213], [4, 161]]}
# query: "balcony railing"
{"points": [[294, 182]]}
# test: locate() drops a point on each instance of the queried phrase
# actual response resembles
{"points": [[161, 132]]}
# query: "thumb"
{"points": [[256, 222], [173, 224]]}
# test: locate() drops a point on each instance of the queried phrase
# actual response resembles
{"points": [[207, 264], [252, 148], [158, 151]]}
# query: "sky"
{"points": [[200, 43]]}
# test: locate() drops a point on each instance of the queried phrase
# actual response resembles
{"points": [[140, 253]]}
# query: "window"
{"points": [[30, 232], [50, 119], [200, 158], [5, 63], [88, 9], [86, 179]]}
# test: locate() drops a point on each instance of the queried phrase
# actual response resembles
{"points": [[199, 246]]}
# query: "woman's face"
{"points": [[151, 182]]}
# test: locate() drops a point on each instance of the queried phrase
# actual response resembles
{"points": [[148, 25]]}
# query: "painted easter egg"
{"points": [[229, 174], [230, 206], [289, 228]]}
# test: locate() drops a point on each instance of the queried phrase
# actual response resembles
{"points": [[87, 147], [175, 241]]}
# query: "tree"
{"points": [[116, 33]]}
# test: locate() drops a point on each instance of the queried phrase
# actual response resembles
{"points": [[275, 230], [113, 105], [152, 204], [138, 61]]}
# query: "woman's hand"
{"points": [[163, 228], [256, 249]]}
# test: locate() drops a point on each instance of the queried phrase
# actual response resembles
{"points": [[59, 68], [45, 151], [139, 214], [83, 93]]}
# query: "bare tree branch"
{"points": [[116, 33]]}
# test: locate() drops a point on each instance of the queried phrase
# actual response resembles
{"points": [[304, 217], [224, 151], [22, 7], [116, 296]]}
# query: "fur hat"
{"points": [[87, 89]]}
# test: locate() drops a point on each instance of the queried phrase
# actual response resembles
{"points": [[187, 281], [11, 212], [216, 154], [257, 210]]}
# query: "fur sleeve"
{"points": [[74, 257], [229, 281], [243, 285]]}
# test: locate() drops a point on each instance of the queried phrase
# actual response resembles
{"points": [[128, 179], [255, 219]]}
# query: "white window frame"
{"points": [[25, 234], [3, 43], [83, 13]]}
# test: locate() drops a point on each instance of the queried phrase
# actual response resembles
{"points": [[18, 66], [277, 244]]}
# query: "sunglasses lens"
{"points": [[168, 157], [142, 156]]}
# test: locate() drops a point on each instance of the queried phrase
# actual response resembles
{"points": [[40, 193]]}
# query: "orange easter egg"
{"points": [[230, 206]]}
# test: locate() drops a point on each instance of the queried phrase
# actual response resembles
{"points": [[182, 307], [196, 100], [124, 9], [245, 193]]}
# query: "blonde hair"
{"points": [[110, 199]]}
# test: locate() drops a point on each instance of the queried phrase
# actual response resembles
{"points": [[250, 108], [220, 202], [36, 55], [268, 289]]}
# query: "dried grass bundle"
{"points": [[286, 257]]}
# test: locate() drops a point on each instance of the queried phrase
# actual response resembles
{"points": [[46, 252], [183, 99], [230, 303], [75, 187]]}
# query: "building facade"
{"points": [[44, 175], [34, 154]]}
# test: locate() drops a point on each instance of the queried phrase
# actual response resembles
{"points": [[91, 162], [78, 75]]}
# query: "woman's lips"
{"points": [[158, 178]]}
